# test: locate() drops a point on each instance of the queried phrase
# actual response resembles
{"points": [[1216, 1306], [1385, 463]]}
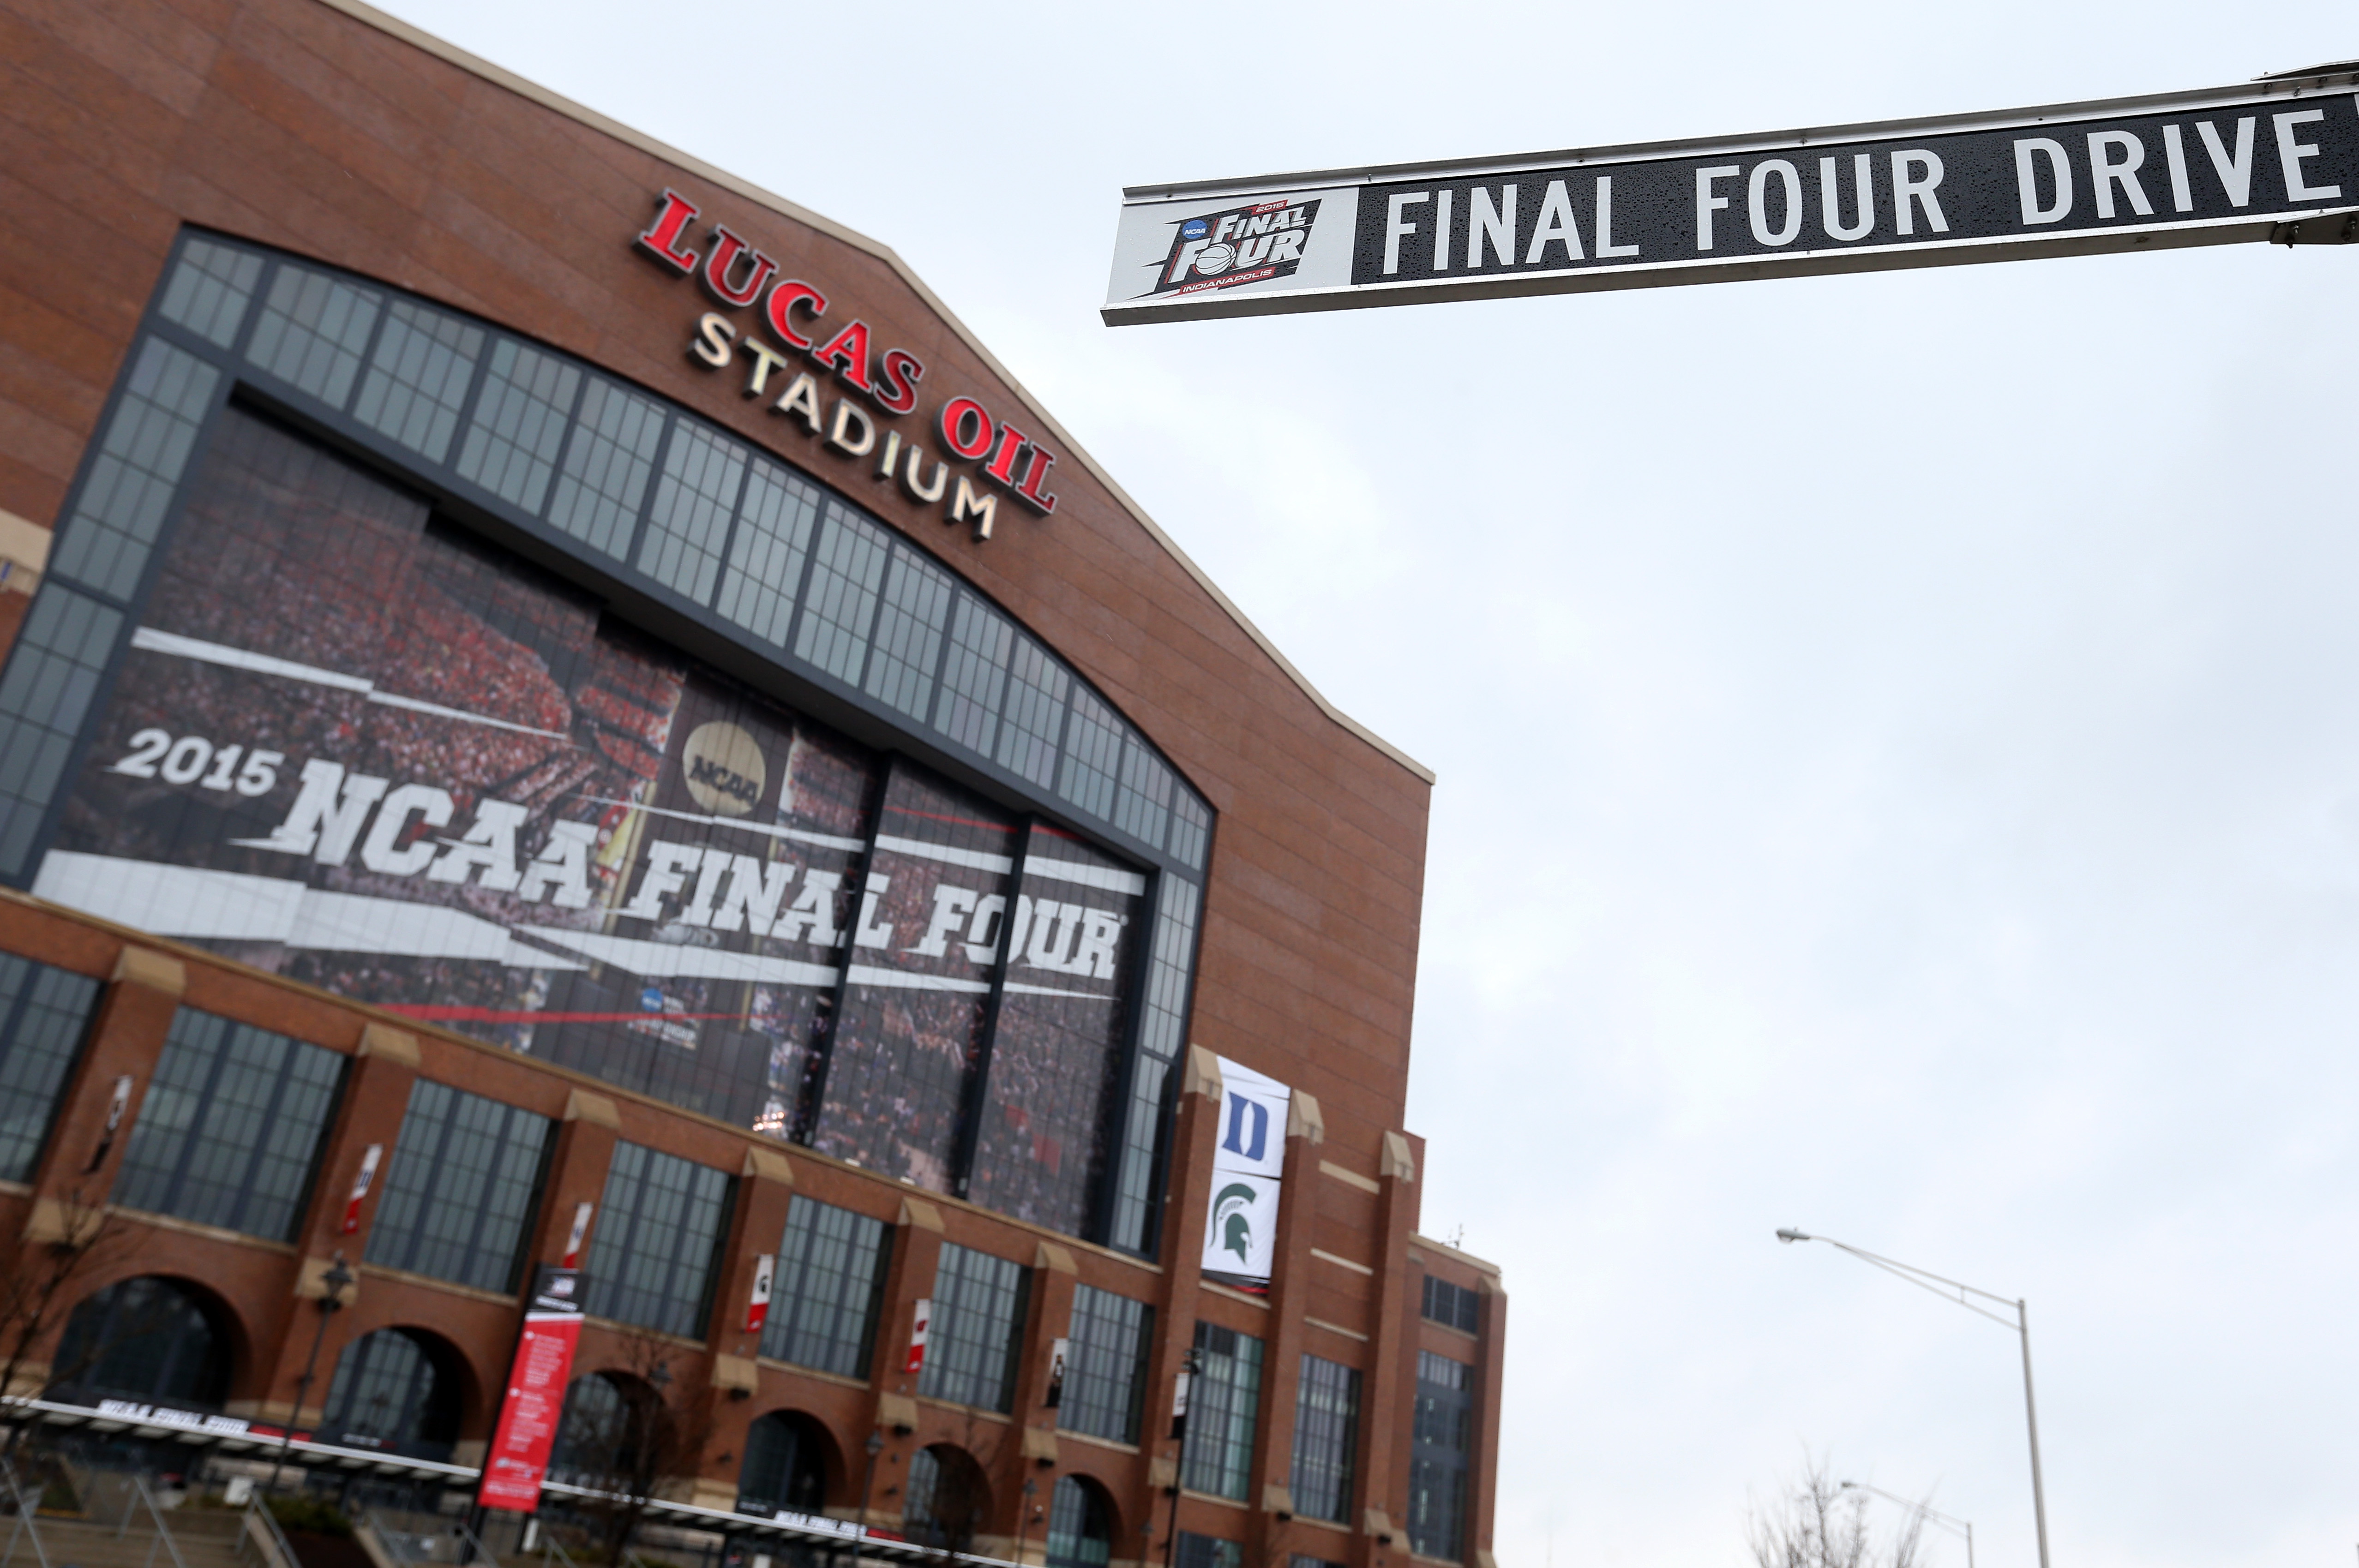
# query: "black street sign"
{"points": [[2273, 159]]}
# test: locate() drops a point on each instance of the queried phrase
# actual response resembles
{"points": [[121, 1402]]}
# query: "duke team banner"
{"points": [[1248, 1168], [2274, 159]]}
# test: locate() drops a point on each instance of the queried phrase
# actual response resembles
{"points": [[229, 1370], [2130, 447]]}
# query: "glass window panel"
{"points": [[1105, 1369], [1208, 1551], [689, 523], [418, 378], [976, 676], [312, 330], [53, 672], [925, 942], [828, 1286], [1035, 715], [105, 544], [767, 555], [1452, 1304], [1191, 830], [1326, 1435], [231, 1127], [520, 424], [1438, 1447], [1162, 1022], [842, 598], [978, 1328], [210, 289], [1093, 754], [385, 1390], [1048, 1104], [908, 636], [44, 1013], [459, 1194], [655, 1240], [1142, 801], [605, 474], [1222, 1412], [1081, 1526]]}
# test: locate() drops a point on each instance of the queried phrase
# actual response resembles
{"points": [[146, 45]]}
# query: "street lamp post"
{"points": [[1025, 1512], [1191, 1363], [876, 1445], [1940, 1286], [334, 1285], [1957, 1524]]}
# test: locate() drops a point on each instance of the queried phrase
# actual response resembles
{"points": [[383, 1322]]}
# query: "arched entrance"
{"points": [[395, 1389], [948, 1498], [146, 1338], [602, 1436], [786, 1464], [1080, 1524]]}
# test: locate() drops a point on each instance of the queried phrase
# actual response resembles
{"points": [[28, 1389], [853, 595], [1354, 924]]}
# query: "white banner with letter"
{"points": [[1248, 1168]]}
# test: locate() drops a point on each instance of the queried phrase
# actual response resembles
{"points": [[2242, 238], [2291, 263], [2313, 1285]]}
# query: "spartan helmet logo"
{"points": [[1233, 1219]]}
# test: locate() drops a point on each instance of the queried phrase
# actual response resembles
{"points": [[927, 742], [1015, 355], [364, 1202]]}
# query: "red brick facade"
{"points": [[339, 135]]}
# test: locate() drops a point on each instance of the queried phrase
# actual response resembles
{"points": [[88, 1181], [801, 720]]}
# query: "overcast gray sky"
{"points": [[1898, 751]]}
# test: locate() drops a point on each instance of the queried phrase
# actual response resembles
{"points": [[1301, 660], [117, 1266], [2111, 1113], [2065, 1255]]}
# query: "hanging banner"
{"points": [[757, 1309], [1181, 1386], [921, 1329], [534, 1402], [369, 1158], [581, 1212], [2272, 160], [1058, 1350], [1248, 1163]]}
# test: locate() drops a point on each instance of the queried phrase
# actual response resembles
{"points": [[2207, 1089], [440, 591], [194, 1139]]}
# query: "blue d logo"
{"points": [[1248, 1127]]}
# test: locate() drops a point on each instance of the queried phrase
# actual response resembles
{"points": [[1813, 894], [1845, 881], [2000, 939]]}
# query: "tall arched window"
{"points": [[144, 1338], [948, 1500], [598, 1436], [786, 1465], [1080, 1524], [390, 1390]]}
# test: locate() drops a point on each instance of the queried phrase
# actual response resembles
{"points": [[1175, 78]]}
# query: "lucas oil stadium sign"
{"points": [[2273, 159]]}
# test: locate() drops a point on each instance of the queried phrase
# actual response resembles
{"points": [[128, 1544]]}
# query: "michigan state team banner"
{"points": [[1248, 1169], [2272, 160]]}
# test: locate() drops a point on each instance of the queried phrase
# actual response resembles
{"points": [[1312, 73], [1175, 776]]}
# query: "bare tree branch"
{"points": [[1815, 1523]]}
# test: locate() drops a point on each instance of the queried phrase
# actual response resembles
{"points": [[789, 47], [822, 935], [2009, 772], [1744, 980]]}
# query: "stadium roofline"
{"points": [[526, 88]]}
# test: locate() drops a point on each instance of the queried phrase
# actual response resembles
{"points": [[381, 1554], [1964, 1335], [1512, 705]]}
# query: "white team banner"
{"points": [[1248, 1171]]}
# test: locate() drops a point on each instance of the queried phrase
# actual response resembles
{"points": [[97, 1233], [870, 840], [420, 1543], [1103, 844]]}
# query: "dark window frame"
{"points": [[788, 1304], [609, 1255], [418, 1237], [38, 977], [173, 1174]]}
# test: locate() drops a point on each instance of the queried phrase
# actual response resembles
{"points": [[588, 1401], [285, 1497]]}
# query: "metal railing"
{"points": [[142, 1498], [420, 1546], [552, 1551], [24, 1528], [262, 1525]]}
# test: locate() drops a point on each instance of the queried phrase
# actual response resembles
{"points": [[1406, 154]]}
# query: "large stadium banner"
{"points": [[1248, 1174], [2274, 159], [532, 1403], [361, 748]]}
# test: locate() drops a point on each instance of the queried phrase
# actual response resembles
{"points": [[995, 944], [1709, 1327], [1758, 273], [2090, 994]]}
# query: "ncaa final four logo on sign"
{"points": [[1237, 244]]}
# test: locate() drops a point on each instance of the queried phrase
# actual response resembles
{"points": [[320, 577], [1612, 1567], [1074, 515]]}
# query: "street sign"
{"points": [[2276, 159]]}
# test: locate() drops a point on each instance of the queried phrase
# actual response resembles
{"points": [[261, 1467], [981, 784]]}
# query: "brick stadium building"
{"points": [[557, 702]]}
